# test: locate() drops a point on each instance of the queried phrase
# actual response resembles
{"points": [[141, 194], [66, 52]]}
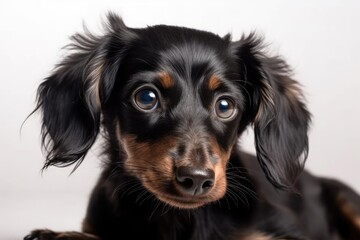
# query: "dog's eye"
{"points": [[146, 99], [225, 108]]}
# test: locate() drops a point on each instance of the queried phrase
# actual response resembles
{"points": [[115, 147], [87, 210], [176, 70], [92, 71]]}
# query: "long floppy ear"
{"points": [[71, 98], [277, 110]]}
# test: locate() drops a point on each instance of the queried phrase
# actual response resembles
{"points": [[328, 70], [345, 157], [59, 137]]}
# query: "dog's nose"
{"points": [[194, 181]]}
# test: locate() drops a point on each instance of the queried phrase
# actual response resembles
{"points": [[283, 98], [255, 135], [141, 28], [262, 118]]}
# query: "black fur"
{"points": [[92, 90]]}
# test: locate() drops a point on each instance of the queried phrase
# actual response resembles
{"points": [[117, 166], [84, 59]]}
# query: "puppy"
{"points": [[172, 103]]}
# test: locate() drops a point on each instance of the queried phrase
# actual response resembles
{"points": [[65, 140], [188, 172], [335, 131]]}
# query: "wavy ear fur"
{"points": [[71, 98], [280, 117]]}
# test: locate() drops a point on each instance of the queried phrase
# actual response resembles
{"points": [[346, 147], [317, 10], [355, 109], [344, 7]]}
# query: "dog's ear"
{"points": [[277, 110], [71, 98]]}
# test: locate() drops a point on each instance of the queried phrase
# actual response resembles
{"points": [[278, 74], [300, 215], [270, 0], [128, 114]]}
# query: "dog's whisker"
{"points": [[142, 197], [141, 194], [243, 188], [135, 185], [135, 189], [234, 176], [219, 202], [232, 196], [123, 184], [157, 204], [146, 197], [238, 195], [118, 187], [167, 208]]}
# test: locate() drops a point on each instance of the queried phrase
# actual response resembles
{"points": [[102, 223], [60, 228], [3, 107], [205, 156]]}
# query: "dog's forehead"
{"points": [[189, 60], [185, 52]]}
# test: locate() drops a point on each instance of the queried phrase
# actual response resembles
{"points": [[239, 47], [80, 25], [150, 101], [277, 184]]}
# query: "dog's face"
{"points": [[179, 114], [175, 101]]}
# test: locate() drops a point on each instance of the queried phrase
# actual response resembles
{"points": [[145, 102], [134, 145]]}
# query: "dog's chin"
{"points": [[183, 203]]}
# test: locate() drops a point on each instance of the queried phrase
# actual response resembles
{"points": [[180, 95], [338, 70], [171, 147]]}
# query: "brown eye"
{"points": [[225, 108], [146, 99]]}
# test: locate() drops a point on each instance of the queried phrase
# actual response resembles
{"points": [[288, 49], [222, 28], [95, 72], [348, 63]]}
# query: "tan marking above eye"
{"points": [[214, 83], [166, 80]]}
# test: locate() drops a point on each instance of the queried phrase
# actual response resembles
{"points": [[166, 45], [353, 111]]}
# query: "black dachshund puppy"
{"points": [[172, 103]]}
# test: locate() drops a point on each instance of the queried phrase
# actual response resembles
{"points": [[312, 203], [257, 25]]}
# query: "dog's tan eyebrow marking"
{"points": [[214, 82], [166, 80]]}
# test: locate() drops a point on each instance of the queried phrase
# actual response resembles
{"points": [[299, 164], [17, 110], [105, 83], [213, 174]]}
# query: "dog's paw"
{"points": [[43, 234]]}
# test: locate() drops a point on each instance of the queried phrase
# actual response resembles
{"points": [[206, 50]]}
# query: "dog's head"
{"points": [[175, 100]]}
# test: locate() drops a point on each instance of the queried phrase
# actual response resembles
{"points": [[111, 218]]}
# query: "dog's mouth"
{"points": [[182, 202], [170, 195]]}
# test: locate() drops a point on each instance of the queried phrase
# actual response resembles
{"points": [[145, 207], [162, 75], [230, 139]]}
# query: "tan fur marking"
{"points": [[223, 155], [94, 75], [166, 80], [293, 91], [220, 167], [118, 132], [48, 234], [86, 228], [266, 101], [76, 236], [348, 211], [214, 83], [145, 155], [151, 163], [257, 236]]}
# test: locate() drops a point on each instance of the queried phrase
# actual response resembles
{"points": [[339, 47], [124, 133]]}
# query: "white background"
{"points": [[320, 39]]}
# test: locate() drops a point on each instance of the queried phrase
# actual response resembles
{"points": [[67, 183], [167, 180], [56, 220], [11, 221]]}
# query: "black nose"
{"points": [[194, 181]]}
